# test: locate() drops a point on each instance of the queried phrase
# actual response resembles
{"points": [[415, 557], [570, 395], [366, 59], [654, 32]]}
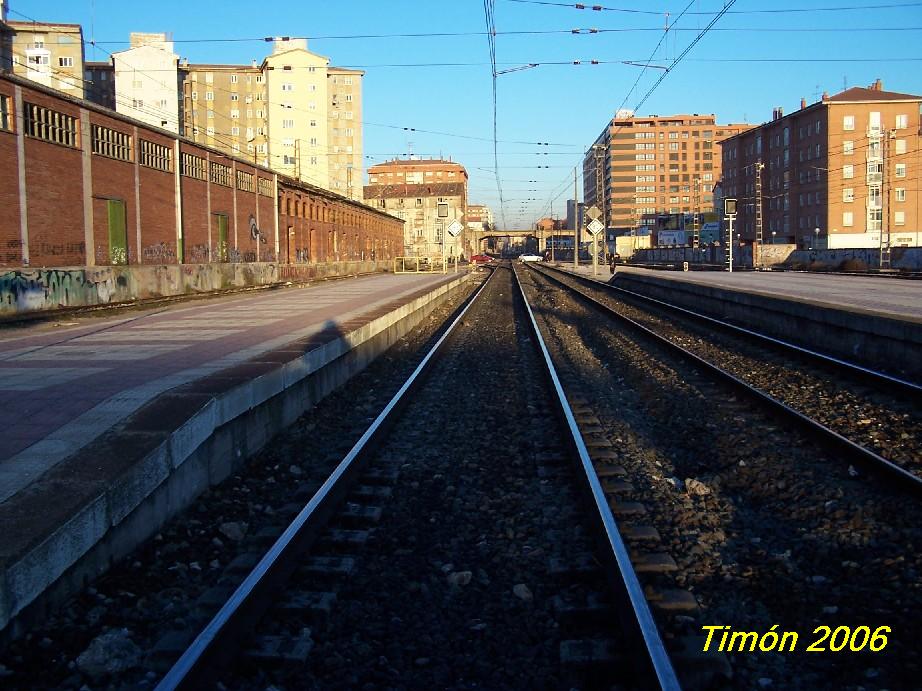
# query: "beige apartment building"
{"points": [[839, 173], [225, 106], [344, 136], [428, 195], [641, 168], [45, 52]]}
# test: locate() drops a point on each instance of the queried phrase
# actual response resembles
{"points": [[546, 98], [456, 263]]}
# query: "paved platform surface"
{"points": [[65, 384], [889, 297]]}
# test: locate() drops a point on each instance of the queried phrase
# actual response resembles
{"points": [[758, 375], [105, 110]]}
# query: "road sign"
{"points": [[593, 212], [595, 227], [455, 228]]}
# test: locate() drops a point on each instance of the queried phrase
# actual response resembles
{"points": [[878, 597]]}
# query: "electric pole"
{"points": [[575, 223], [757, 245], [885, 202]]}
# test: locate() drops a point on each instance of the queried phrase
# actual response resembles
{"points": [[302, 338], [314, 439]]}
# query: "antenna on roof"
{"points": [[410, 150]]}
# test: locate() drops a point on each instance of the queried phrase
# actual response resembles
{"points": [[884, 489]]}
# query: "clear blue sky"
{"points": [[733, 72]]}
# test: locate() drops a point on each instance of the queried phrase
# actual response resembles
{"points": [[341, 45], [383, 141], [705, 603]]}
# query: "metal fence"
{"points": [[419, 265]]}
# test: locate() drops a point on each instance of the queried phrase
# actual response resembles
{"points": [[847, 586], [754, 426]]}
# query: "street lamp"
{"points": [[816, 238], [774, 233]]}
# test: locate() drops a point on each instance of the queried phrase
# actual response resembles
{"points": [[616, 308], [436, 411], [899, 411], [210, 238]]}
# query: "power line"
{"points": [[788, 10]]}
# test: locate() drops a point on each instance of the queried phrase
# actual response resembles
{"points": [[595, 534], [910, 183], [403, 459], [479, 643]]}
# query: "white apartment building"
{"points": [[146, 81]]}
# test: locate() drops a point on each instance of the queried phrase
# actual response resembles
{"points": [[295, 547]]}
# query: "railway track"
{"points": [[870, 417], [754, 519], [366, 530]]}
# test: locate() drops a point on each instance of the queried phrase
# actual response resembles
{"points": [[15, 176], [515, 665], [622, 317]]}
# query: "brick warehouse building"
{"points": [[86, 187]]}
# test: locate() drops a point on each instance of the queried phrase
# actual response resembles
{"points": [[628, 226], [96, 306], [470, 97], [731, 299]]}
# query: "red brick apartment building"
{"points": [[653, 166], [839, 173], [82, 186]]}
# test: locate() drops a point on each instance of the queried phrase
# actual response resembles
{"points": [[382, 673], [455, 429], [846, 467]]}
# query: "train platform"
{"points": [[873, 320], [890, 297], [103, 409]]}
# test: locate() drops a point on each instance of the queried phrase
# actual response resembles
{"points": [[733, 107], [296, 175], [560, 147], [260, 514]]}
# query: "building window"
{"points": [[209, 95], [264, 185], [209, 131], [901, 170], [220, 174], [900, 193], [233, 79], [6, 122], [65, 62], [235, 97], [419, 203], [50, 125], [900, 146], [235, 114], [848, 194], [902, 122], [192, 166], [195, 95], [155, 156], [288, 124], [235, 131], [848, 171], [137, 103], [848, 219], [288, 87], [288, 160], [209, 77], [848, 147], [245, 181], [899, 218], [848, 123]]}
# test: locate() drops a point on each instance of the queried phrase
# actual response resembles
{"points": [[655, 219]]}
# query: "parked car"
{"points": [[530, 258], [482, 259]]}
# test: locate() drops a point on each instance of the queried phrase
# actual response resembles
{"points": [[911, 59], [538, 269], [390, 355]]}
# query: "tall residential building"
{"points": [[225, 106], [293, 112], [428, 194], [147, 81], [841, 172], [344, 113], [640, 168], [48, 53]]}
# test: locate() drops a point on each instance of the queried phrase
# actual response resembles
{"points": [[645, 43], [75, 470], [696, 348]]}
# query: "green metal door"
{"points": [[118, 232], [221, 228]]}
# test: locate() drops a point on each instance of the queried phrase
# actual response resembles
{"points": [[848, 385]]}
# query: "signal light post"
{"points": [[730, 216]]}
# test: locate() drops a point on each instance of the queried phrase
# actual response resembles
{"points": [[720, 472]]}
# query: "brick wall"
{"points": [[69, 186]]}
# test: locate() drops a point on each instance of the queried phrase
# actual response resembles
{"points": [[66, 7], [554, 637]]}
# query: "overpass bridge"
{"points": [[514, 242]]}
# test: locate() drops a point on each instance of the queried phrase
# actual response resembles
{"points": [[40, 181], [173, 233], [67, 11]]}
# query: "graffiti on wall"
{"points": [[161, 253], [37, 289]]}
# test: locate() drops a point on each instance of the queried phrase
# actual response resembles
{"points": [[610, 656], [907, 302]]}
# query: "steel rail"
{"points": [[249, 600], [903, 478], [874, 376], [659, 663]]}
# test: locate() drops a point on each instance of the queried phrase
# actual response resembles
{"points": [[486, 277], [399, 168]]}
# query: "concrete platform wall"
{"points": [[31, 290], [875, 341], [181, 444]]}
